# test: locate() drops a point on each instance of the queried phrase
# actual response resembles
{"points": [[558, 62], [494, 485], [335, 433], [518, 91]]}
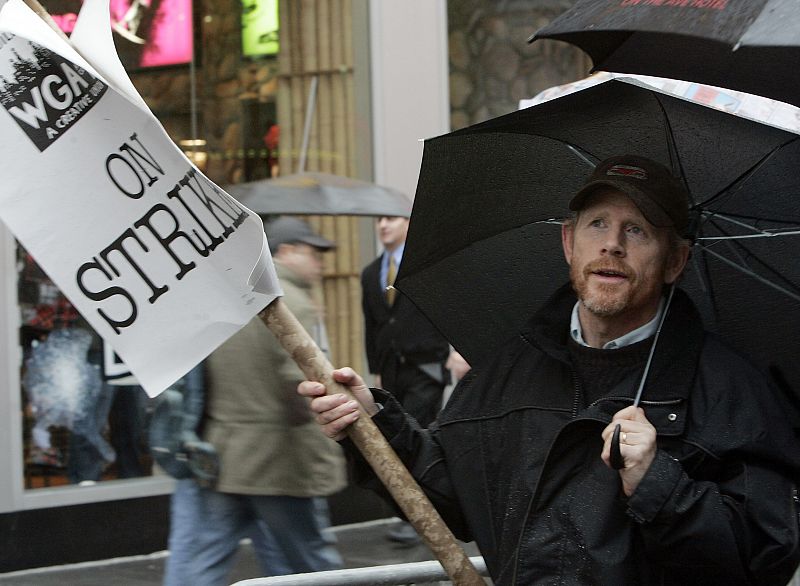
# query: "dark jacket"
{"points": [[397, 333], [515, 466]]}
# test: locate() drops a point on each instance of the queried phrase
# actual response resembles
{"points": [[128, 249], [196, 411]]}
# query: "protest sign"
{"points": [[160, 261]]}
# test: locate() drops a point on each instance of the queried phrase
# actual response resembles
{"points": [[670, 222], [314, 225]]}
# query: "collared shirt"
{"points": [[637, 335], [397, 253]]}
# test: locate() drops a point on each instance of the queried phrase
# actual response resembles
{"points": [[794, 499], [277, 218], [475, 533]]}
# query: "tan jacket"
{"points": [[261, 428]]}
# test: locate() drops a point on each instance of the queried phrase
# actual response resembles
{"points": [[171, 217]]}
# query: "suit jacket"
{"points": [[397, 333]]}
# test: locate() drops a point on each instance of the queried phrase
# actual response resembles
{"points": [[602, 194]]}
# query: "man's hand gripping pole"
{"points": [[375, 449]]}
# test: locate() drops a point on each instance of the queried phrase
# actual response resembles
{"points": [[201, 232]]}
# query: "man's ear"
{"points": [[676, 262], [567, 235]]}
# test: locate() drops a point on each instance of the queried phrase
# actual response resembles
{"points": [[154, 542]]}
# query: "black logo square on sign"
{"points": [[47, 93]]}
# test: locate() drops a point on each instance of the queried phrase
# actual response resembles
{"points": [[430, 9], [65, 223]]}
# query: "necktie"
{"points": [[391, 292]]}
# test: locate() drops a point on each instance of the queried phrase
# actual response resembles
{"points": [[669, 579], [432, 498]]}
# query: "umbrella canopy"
{"points": [[320, 194], [484, 250], [759, 108], [747, 45]]}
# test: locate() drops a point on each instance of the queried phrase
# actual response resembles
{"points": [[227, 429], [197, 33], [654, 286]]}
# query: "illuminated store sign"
{"points": [[148, 33], [260, 27]]}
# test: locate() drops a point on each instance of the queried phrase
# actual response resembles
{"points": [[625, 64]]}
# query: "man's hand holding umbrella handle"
{"points": [[335, 413], [637, 446]]}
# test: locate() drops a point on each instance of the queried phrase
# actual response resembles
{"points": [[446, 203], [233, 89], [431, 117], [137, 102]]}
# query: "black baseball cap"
{"points": [[288, 230], [659, 195]]}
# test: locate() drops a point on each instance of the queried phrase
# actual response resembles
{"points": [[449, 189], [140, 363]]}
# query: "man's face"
{"points": [[392, 231], [618, 260], [302, 259]]}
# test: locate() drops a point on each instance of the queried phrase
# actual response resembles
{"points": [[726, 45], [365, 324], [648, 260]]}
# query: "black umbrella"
{"points": [[484, 251], [320, 194], [747, 45]]}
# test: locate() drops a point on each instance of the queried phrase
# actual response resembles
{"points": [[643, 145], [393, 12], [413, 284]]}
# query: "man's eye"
{"points": [[596, 223], [635, 230]]}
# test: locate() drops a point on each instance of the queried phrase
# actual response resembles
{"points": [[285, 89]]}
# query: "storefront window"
{"points": [[84, 417]]}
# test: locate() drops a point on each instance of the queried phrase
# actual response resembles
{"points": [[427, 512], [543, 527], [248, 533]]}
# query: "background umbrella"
{"points": [[484, 252], [747, 45], [320, 194]]}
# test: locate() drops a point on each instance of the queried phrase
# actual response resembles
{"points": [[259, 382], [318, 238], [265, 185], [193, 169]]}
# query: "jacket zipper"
{"points": [[575, 407], [577, 396]]}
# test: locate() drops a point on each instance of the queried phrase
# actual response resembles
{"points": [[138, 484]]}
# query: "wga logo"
{"points": [[47, 94]]}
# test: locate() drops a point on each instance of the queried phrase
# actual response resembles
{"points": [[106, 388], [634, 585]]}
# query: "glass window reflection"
{"points": [[84, 416]]}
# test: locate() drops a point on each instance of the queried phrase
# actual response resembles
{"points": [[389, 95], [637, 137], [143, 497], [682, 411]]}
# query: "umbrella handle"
{"points": [[616, 460]]}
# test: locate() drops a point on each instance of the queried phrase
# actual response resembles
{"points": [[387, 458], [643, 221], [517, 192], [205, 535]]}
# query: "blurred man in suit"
{"points": [[404, 350]]}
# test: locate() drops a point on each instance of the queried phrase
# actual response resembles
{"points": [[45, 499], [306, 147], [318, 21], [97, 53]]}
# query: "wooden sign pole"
{"points": [[375, 449]]}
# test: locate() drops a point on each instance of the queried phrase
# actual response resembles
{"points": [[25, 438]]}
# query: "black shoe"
{"points": [[405, 534]]}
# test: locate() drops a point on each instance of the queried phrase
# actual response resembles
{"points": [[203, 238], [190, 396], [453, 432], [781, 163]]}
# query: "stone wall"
{"points": [[492, 66]]}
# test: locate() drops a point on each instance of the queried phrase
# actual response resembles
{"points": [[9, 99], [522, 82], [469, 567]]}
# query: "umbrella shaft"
{"points": [[638, 396]]}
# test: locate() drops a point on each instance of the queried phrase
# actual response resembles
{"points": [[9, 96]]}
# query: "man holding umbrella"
{"points": [[520, 459]]}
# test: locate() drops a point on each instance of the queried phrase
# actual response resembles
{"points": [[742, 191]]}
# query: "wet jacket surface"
{"points": [[514, 464]]}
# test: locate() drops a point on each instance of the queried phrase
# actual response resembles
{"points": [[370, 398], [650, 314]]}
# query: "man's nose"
{"points": [[614, 244]]}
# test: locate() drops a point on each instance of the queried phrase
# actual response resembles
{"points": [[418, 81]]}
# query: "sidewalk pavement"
{"points": [[361, 545]]}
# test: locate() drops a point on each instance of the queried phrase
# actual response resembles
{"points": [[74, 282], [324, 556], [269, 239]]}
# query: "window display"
{"points": [[260, 25], [153, 33], [82, 421], [148, 33]]}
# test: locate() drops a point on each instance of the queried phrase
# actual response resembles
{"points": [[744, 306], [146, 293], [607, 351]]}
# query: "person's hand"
{"points": [[457, 366], [336, 412], [637, 446]]}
